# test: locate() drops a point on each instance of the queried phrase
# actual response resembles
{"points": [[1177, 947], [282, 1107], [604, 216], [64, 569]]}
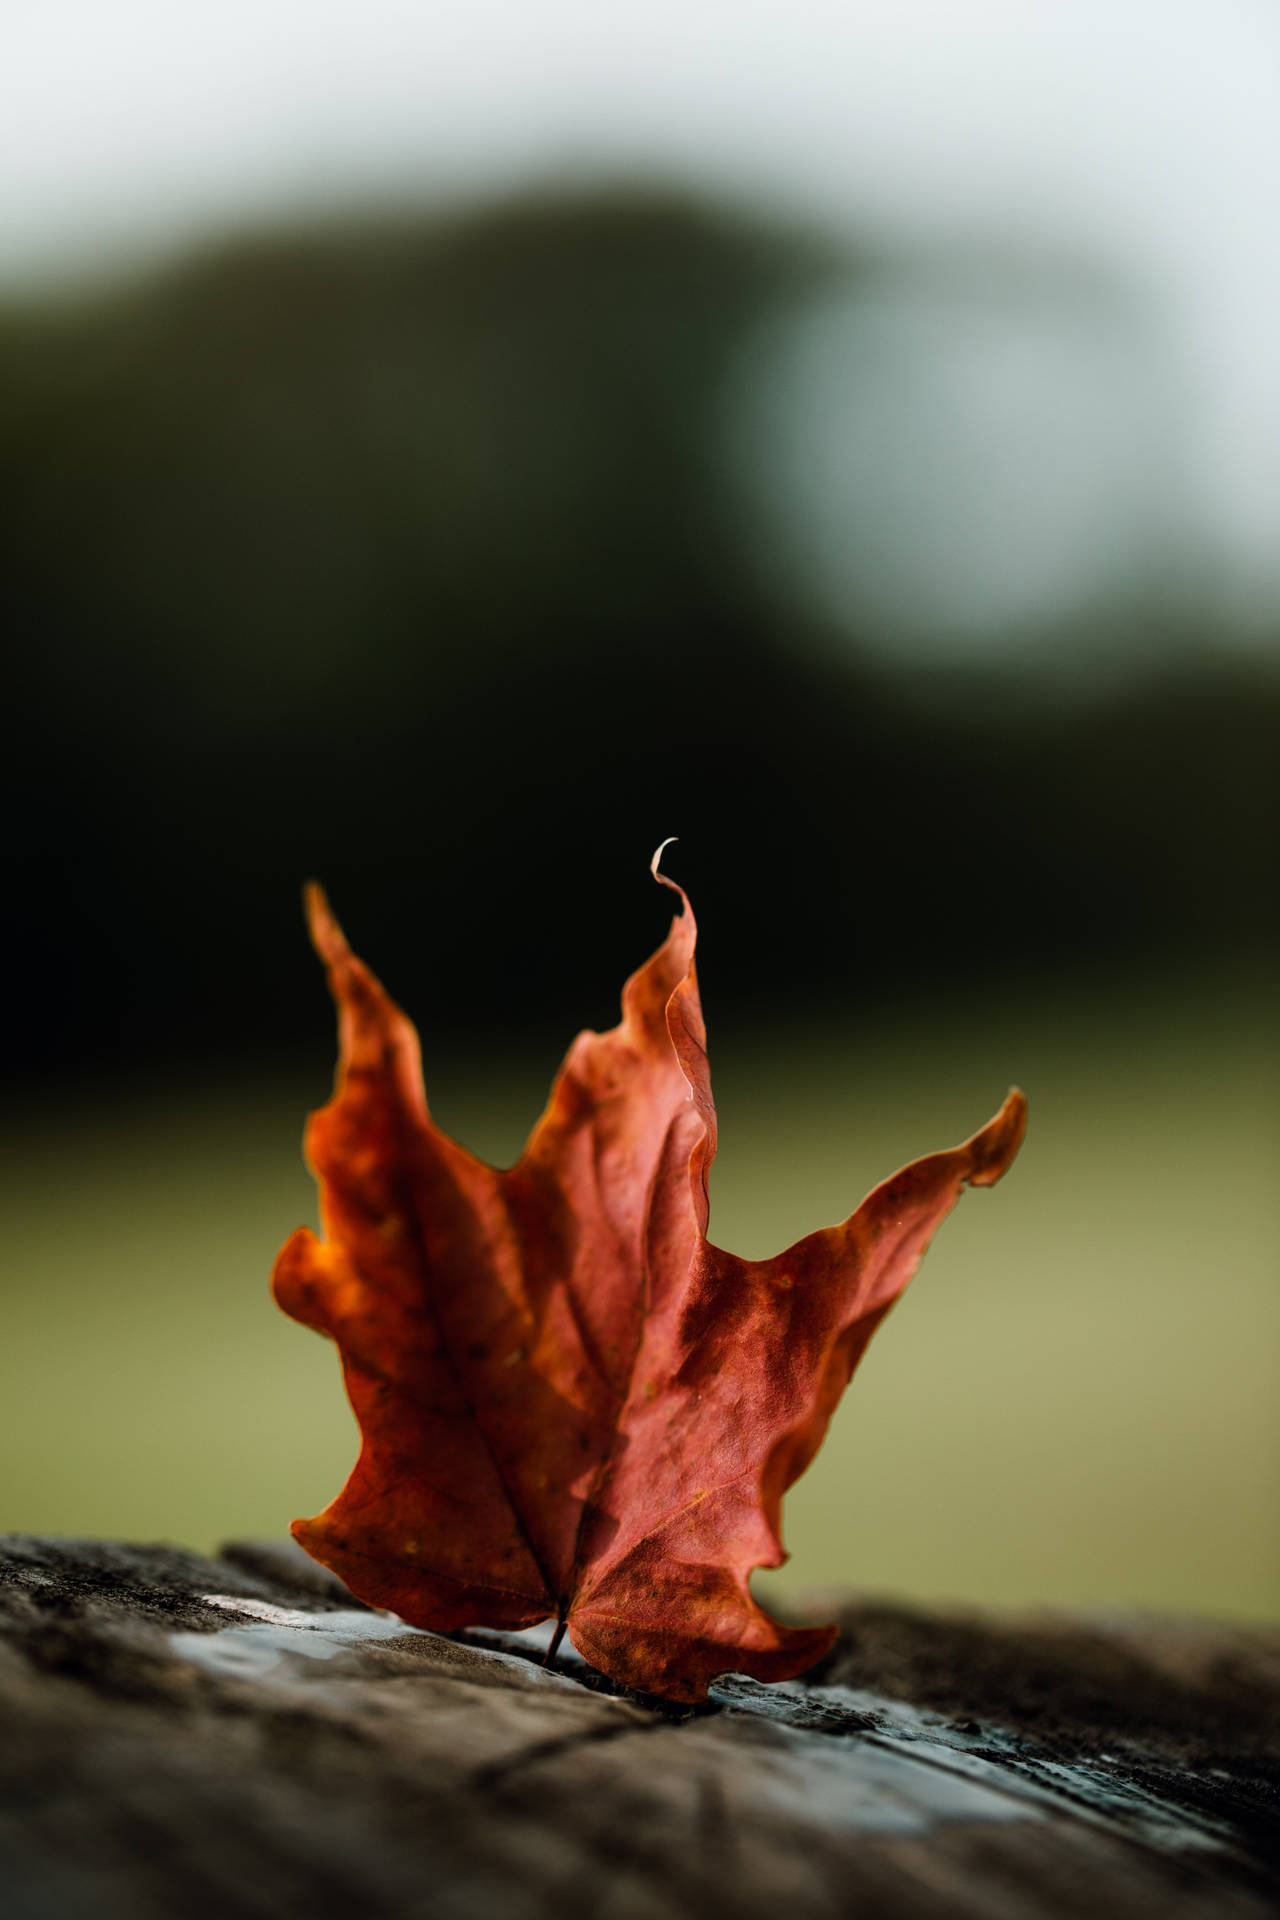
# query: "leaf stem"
{"points": [[556, 1638]]}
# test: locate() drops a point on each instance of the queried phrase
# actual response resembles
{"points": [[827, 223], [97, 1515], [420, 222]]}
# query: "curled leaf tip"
{"points": [[664, 880], [656, 863]]}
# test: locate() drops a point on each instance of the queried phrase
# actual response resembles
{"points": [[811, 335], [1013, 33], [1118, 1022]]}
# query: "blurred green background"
{"points": [[455, 548]]}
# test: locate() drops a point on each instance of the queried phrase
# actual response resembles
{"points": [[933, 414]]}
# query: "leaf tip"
{"points": [[655, 865], [664, 880], [996, 1146], [327, 936]]}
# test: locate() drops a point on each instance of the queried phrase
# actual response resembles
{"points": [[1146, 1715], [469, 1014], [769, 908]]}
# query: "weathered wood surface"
{"points": [[236, 1737]]}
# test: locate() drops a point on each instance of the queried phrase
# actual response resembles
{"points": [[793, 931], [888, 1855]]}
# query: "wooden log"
{"points": [[238, 1737]]}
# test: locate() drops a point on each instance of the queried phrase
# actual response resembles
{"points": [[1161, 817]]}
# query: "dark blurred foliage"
{"points": [[399, 555]]}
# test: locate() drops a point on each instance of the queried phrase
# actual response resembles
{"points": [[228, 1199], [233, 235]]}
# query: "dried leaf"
{"points": [[573, 1406]]}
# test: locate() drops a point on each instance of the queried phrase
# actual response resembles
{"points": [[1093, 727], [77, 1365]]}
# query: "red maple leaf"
{"points": [[573, 1406]]}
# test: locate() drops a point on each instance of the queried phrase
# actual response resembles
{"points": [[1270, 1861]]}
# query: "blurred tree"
{"points": [[397, 554]]}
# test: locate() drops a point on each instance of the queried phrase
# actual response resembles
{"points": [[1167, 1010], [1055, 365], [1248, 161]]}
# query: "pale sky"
{"points": [[1144, 130]]}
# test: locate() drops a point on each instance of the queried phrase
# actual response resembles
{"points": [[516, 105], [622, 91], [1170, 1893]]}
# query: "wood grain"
{"points": [[237, 1737]]}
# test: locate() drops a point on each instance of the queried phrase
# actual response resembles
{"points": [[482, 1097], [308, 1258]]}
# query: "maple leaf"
{"points": [[572, 1405]]}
